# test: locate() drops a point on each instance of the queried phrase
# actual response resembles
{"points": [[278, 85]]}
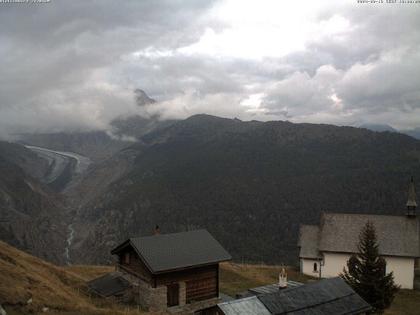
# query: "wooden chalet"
{"points": [[178, 271]]}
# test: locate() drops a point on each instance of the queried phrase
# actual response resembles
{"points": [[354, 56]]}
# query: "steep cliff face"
{"points": [[31, 215], [250, 183]]}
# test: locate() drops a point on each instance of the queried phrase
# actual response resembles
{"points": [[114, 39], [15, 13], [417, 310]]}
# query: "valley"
{"points": [[65, 169], [251, 184]]}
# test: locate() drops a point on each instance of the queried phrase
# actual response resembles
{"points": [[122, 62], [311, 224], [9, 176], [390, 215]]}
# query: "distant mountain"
{"points": [[135, 127], [99, 145], [142, 98], [378, 127], [96, 145], [31, 215], [415, 133], [26, 159], [251, 184]]}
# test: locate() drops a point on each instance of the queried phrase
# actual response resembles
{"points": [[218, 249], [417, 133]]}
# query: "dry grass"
{"points": [[88, 273], [236, 278], [407, 302], [23, 276]]}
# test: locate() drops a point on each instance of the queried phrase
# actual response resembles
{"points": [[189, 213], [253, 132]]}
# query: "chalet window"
{"points": [[315, 267], [127, 258], [172, 294]]}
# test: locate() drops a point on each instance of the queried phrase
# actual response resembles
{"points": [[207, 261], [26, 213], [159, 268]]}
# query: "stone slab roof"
{"points": [[245, 306], [325, 297], [109, 284], [397, 235]]}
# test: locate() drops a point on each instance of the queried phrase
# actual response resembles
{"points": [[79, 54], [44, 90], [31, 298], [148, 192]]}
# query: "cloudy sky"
{"points": [[73, 65]]}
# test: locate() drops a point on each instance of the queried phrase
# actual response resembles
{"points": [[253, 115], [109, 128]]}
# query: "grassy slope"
{"points": [[407, 302], [236, 278], [23, 276], [61, 288]]}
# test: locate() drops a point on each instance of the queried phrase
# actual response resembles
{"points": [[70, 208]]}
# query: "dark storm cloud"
{"points": [[74, 65], [56, 58]]}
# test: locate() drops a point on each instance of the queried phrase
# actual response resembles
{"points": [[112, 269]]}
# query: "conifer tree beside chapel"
{"points": [[366, 272]]}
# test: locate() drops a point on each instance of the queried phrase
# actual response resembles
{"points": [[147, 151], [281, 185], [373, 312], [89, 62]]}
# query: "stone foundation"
{"points": [[155, 299], [152, 299]]}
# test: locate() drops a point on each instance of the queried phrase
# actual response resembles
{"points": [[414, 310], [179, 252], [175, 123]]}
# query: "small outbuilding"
{"points": [[110, 285]]}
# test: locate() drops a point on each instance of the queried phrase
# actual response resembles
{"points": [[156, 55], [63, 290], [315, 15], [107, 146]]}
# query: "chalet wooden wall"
{"points": [[201, 283], [135, 266], [201, 289]]}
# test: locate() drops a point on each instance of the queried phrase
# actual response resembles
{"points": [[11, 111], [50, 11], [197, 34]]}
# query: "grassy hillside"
{"points": [[24, 277]]}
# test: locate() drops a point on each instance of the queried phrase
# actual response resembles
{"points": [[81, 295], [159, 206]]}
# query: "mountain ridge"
{"points": [[249, 183]]}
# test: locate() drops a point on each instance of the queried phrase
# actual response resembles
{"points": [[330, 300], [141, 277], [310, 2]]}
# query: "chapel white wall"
{"points": [[402, 267], [307, 267]]}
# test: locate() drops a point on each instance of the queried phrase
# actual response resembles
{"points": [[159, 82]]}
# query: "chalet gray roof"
{"points": [[397, 235], [246, 306], [326, 297], [109, 284], [166, 252], [309, 241]]}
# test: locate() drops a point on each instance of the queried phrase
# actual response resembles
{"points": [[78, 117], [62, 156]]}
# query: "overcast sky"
{"points": [[73, 65]]}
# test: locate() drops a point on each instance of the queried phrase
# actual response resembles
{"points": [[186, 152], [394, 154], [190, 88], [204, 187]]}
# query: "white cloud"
{"points": [[266, 28]]}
